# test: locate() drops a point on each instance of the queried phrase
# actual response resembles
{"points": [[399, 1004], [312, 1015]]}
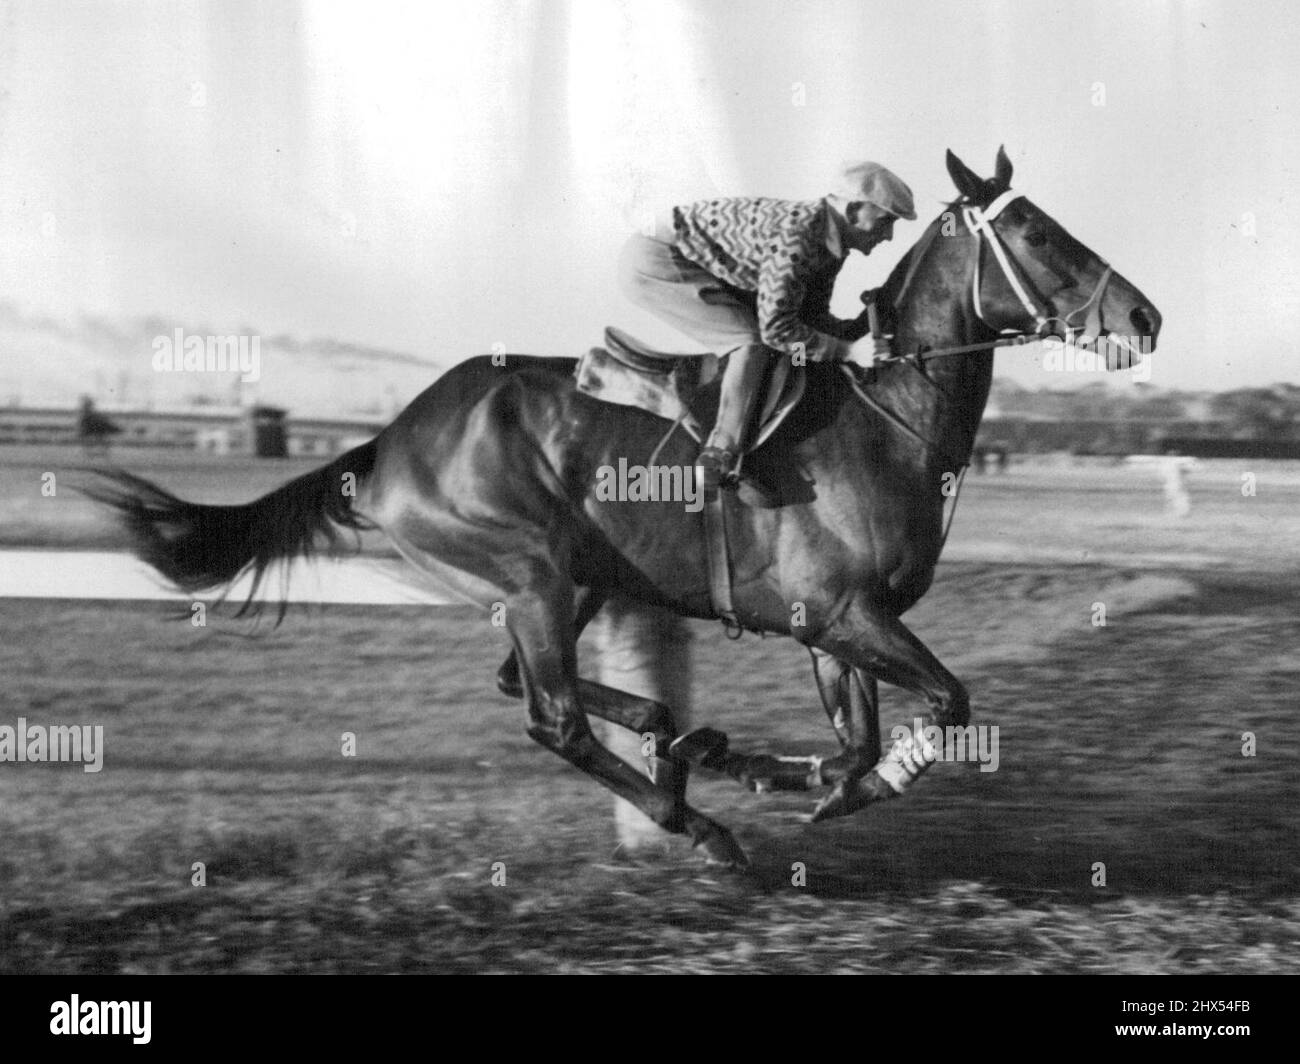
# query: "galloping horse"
{"points": [[486, 482]]}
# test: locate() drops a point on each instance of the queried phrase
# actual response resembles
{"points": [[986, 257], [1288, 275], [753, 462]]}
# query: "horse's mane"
{"points": [[890, 290]]}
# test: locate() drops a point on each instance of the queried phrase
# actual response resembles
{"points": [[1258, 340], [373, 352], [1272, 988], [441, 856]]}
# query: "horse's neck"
{"points": [[947, 403]]}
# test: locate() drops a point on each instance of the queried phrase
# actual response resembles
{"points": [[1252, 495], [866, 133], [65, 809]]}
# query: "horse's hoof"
{"points": [[834, 804], [850, 795], [701, 747], [764, 773]]}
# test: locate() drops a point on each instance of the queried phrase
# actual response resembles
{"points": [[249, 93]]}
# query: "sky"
{"points": [[380, 190]]}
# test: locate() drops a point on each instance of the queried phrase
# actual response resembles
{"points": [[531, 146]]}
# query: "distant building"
{"points": [[1100, 436], [211, 430]]}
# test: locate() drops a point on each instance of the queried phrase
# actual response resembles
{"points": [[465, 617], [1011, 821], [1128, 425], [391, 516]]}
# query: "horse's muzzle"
{"points": [[1146, 320]]}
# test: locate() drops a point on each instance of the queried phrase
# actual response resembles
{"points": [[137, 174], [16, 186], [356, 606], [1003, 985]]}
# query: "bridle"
{"points": [[979, 222]]}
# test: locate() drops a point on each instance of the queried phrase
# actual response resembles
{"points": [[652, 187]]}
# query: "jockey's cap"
{"points": [[878, 186]]}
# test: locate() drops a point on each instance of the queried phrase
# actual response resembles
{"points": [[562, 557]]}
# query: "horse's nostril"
{"points": [[1142, 321]]}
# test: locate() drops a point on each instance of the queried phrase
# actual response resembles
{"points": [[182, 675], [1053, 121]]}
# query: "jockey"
{"points": [[752, 278]]}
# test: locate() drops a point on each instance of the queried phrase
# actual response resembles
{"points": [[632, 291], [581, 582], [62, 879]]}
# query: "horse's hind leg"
{"points": [[641, 715], [509, 681], [543, 635]]}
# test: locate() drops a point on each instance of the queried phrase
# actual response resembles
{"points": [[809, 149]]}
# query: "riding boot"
{"points": [[742, 384]]}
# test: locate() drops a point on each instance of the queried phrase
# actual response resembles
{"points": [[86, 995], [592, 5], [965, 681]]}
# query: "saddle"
{"points": [[675, 387]]}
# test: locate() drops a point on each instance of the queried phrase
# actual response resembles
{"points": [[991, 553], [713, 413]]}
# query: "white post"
{"points": [[1178, 503], [645, 651], [1173, 470]]}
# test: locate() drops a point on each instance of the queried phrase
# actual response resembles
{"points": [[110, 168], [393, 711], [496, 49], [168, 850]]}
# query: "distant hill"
{"points": [[48, 361]]}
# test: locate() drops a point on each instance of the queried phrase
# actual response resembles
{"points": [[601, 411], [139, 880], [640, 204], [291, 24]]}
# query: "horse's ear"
{"points": [[1002, 172], [968, 183]]}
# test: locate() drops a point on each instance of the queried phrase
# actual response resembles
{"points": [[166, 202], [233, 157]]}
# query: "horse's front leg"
{"points": [[881, 646], [850, 699], [710, 748]]}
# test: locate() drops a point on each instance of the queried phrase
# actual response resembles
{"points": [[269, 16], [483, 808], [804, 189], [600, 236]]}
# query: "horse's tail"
{"points": [[201, 548]]}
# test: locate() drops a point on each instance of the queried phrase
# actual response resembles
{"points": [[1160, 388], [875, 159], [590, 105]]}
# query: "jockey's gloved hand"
{"points": [[862, 352]]}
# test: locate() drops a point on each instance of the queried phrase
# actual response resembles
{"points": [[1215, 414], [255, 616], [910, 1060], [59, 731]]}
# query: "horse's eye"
{"points": [[1036, 238]]}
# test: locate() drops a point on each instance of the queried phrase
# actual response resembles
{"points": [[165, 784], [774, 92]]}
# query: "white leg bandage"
{"points": [[906, 760]]}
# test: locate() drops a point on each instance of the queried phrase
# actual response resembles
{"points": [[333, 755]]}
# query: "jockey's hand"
{"points": [[862, 352]]}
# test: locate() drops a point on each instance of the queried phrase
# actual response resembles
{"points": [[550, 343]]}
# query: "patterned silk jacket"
{"points": [[788, 252]]}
